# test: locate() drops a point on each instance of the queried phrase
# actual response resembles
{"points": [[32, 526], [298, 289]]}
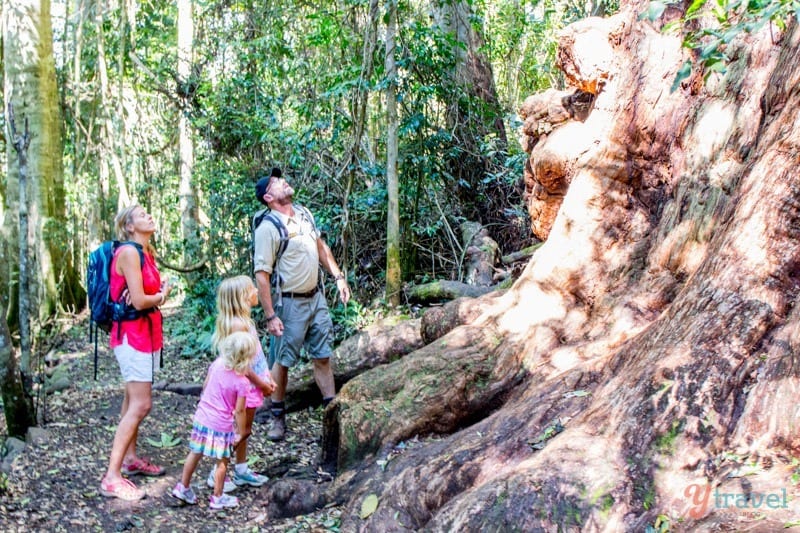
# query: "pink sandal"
{"points": [[122, 489], [142, 466]]}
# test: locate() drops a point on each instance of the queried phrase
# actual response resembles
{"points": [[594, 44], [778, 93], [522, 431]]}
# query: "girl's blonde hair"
{"points": [[237, 351], [233, 304], [122, 220]]}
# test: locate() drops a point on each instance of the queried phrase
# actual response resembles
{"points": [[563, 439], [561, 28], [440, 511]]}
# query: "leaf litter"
{"points": [[54, 485]]}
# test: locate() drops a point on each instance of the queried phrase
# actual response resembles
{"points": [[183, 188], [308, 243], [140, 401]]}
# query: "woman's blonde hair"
{"points": [[122, 220], [233, 305], [237, 351]]}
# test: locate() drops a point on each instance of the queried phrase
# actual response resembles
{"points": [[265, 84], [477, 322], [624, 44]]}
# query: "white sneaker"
{"points": [[228, 486], [223, 501], [249, 478]]}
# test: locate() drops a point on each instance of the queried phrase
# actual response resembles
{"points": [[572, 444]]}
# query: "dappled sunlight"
{"points": [[565, 359], [624, 325], [535, 307], [749, 244], [570, 242], [711, 131], [679, 252]]}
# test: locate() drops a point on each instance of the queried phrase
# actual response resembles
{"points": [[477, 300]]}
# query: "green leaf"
{"points": [[167, 441], [368, 506], [681, 75], [694, 8]]}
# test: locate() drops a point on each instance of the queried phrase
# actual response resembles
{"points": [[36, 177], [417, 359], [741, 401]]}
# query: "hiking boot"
{"points": [[249, 478], [277, 427], [228, 486], [185, 494], [223, 501]]}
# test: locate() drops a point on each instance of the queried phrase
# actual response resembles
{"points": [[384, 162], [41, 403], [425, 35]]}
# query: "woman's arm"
{"points": [[129, 265]]}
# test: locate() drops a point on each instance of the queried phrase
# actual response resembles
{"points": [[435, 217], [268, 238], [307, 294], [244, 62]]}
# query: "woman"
{"points": [[137, 346]]}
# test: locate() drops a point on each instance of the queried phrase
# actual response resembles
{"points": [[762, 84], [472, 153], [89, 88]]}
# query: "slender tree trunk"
{"points": [[108, 155], [187, 192], [393, 269], [17, 406], [21, 142]]}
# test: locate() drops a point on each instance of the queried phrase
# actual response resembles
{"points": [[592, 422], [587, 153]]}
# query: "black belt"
{"points": [[308, 294]]}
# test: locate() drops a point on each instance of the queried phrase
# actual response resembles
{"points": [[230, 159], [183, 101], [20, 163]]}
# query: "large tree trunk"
{"points": [[30, 85], [650, 345], [474, 115]]}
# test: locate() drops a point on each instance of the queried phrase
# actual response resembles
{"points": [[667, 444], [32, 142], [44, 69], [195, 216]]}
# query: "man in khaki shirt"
{"points": [[296, 312]]}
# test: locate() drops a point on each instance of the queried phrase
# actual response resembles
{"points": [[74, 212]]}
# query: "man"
{"points": [[296, 312]]}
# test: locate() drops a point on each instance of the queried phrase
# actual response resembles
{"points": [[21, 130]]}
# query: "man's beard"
{"points": [[287, 199]]}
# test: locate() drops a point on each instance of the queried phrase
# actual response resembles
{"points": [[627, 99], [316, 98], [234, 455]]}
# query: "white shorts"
{"points": [[135, 365]]}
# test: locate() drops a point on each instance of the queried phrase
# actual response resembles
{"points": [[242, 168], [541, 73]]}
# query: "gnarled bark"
{"points": [[648, 345]]}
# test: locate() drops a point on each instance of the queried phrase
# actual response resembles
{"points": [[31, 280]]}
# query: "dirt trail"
{"points": [[53, 485]]}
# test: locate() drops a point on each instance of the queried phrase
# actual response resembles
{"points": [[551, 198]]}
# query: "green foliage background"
{"points": [[280, 83]]}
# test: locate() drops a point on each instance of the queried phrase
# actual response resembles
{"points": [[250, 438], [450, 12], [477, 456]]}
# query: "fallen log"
{"points": [[519, 255], [443, 290], [438, 321]]}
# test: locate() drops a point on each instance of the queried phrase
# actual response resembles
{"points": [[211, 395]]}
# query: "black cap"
{"points": [[263, 184]]}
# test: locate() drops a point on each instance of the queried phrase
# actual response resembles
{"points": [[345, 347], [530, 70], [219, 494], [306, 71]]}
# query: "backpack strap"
{"points": [[119, 244], [283, 243], [306, 214]]}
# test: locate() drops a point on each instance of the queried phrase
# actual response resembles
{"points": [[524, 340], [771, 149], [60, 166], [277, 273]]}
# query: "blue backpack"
{"points": [[104, 311]]}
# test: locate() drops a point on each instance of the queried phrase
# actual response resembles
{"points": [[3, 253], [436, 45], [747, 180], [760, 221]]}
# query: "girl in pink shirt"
{"points": [[221, 404], [236, 297]]}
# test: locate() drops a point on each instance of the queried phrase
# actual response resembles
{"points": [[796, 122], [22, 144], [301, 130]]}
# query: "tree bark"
{"points": [[482, 253], [190, 222], [394, 273], [30, 86], [17, 405], [647, 348], [440, 320], [376, 345]]}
